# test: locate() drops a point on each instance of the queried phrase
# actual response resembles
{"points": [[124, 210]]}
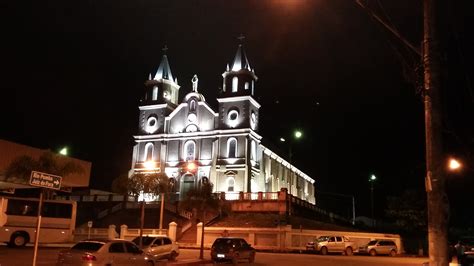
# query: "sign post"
{"points": [[89, 225], [42, 180]]}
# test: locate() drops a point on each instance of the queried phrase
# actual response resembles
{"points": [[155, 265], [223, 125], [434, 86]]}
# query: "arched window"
{"points": [[235, 83], [232, 148], [154, 97], [192, 106], [253, 150], [190, 151], [230, 184], [148, 152], [246, 86]]}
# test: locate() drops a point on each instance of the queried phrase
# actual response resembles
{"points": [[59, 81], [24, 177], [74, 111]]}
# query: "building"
{"points": [[193, 144], [9, 151]]}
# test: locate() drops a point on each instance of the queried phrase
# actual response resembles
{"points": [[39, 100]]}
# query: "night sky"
{"points": [[73, 73]]}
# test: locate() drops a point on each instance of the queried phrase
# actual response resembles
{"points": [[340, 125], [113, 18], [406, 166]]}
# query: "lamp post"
{"points": [[372, 181], [151, 166], [297, 134]]}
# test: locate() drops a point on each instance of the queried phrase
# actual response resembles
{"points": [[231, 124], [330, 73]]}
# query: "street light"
{"points": [[454, 165], [297, 134], [372, 181]]}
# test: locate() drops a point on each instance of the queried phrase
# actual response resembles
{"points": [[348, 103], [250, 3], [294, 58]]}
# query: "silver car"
{"points": [[104, 252], [159, 247], [380, 247]]}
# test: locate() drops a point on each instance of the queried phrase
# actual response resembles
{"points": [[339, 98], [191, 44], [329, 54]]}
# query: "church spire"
{"points": [[164, 70], [162, 88], [239, 78], [240, 59]]}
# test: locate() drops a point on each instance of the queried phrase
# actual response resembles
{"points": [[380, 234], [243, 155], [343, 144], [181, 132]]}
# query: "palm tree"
{"points": [[19, 170], [202, 200], [146, 183]]}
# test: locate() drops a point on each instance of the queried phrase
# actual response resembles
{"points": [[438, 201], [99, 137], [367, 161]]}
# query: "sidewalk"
{"points": [[189, 262]]}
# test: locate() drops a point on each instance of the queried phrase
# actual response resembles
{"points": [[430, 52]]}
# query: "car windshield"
{"points": [[224, 242], [322, 238], [89, 246], [373, 242], [146, 240]]}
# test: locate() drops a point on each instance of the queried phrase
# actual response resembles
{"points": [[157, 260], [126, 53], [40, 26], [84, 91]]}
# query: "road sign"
{"points": [[89, 224], [39, 179]]}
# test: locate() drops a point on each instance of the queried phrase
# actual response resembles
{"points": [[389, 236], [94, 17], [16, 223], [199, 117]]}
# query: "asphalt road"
{"points": [[47, 257]]}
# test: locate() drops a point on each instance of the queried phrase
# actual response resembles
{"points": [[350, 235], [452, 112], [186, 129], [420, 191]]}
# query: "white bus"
{"points": [[58, 221]]}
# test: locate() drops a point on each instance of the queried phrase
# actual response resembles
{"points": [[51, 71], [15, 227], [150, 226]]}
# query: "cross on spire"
{"points": [[241, 38], [164, 49]]}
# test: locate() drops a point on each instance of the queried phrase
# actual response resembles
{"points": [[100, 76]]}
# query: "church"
{"points": [[193, 144]]}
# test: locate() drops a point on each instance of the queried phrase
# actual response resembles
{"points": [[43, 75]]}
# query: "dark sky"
{"points": [[73, 72]]}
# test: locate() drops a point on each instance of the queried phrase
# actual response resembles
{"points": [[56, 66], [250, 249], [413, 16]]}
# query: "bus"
{"points": [[58, 221]]}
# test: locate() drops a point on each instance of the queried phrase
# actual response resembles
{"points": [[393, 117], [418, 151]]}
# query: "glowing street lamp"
{"points": [[298, 134], [63, 151], [372, 181], [454, 165]]}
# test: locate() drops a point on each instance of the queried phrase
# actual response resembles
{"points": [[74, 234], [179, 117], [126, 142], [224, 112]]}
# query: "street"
{"points": [[47, 257]]}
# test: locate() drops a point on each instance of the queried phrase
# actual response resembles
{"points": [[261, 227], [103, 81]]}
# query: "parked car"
{"points": [[232, 249], [104, 252], [159, 247], [332, 244], [379, 247]]}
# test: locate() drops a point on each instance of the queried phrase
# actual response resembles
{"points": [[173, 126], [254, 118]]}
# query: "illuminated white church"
{"points": [[192, 143]]}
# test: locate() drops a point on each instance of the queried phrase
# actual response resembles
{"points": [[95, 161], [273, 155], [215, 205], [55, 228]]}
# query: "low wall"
{"points": [[285, 238]]}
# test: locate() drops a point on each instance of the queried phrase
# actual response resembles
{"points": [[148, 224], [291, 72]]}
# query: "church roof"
{"points": [[240, 60], [164, 70]]}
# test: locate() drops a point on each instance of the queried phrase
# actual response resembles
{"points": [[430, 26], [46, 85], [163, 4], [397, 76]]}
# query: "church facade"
{"points": [[192, 143]]}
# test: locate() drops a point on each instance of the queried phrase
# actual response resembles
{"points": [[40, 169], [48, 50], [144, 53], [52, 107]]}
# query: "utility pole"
{"points": [[437, 203]]}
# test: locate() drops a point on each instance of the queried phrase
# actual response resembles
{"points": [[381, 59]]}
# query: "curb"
{"points": [[190, 262]]}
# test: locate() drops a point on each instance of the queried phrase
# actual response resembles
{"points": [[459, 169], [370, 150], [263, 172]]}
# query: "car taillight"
{"points": [[88, 257]]}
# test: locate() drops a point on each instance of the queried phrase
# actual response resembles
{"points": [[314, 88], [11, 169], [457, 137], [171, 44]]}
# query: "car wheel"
{"points": [[252, 258], [172, 256], [324, 251], [349, 251], [372, 252], [18, 239], [393, 253]]}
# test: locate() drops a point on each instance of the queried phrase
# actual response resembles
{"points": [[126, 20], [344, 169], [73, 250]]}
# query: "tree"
{"points": [[120, 185], [203, 201], [19, 170], [408, 210], [147, 184]]}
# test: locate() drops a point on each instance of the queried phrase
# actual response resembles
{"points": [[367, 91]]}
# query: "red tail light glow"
{"points": [[88, 257]]}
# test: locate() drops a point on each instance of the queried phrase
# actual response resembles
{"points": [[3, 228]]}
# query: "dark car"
{"points": [[232, 249]]}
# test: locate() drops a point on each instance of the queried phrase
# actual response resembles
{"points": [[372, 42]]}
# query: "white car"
{"points": [[159, 247], [332, 244], [104, 252]]}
